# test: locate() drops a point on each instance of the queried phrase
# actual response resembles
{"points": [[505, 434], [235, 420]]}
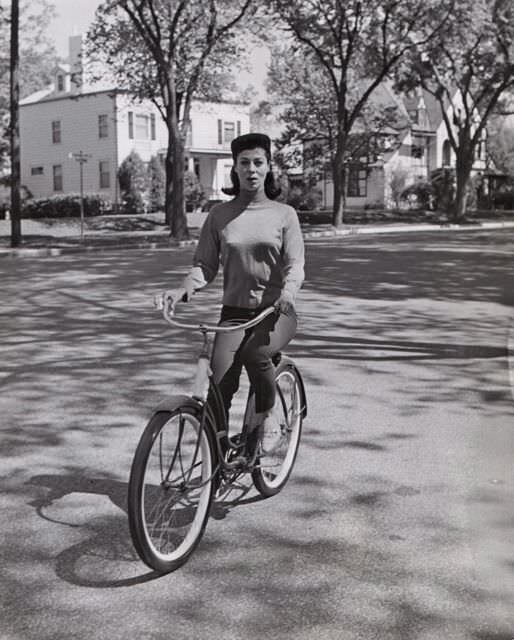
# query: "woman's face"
{"points": [[252, 167]]}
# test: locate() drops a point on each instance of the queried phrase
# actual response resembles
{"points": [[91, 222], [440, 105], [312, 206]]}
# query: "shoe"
{"points": [[271, 435]]}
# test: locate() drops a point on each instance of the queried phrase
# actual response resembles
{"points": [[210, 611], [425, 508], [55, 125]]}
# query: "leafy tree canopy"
{"points": [[349, 48], [169, 51], [180, 39], [37, 55], [469, 69]]}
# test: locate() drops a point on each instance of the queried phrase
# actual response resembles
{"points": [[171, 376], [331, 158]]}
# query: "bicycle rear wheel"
{"points": [[171, 488], [273, 469]]}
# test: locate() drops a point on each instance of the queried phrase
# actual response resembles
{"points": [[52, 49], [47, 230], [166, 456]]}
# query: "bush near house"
{"points": [[419, 195], [5, 195], [194, 194], [133, 181], [65, 206], [504, 198], [156, 184], [305, 197]]}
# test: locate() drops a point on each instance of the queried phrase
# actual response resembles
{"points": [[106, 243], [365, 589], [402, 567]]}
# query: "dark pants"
{"points": [[252, 349]]}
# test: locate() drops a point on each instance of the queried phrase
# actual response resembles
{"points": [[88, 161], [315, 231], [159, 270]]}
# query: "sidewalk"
{"points": [[40, 239]]}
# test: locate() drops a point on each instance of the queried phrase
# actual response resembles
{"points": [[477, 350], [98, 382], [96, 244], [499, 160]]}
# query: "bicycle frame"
{"points": [[205, 393]]}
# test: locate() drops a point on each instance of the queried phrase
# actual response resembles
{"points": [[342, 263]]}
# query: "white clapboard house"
{"points": [[75, 115]]}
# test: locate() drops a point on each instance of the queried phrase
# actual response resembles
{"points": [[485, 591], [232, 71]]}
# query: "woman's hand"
{"points": [[285, 302]]}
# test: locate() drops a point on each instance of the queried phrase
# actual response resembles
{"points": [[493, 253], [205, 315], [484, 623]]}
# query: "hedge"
{"points": [[66, 206]]}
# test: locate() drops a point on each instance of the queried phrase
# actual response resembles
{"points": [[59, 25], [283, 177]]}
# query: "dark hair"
{"points": [[252, 141], [271, 188]]}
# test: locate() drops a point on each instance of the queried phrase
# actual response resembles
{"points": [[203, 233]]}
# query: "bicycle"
{"points": [[185, 454]]}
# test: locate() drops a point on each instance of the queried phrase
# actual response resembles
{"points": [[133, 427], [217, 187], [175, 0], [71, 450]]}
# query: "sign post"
{"points": [[81, 158]]}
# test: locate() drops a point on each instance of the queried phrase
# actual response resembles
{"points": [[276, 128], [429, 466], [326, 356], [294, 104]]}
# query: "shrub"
{"points": [[397, 182], [64, 206], [305, 197], [443, 184], [504, 199], [156, 184], [194, 195], [420, 195], [133, 181]]}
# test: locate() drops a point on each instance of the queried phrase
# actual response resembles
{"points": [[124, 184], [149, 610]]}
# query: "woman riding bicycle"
{"points": [[259, 243]]}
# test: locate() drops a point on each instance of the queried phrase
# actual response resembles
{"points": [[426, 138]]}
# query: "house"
{"points": [[104, 123], [410, 154]]}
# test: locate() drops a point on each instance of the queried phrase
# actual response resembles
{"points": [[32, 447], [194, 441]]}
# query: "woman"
{"points": [[260, 245]]}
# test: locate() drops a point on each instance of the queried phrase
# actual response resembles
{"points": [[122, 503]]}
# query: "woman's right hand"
{"points": [[170, 298]]}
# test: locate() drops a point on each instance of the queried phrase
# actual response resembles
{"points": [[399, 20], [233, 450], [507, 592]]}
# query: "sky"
{"points": [[74, 17]]}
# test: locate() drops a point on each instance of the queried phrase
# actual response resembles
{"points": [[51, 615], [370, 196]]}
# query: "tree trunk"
{"points": [[338, 172], [339, 179], [463, 173], [168, 188], [14, 128], [174, 207]]}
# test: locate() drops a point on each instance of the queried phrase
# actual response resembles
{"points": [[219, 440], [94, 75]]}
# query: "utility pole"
{"points": [[14, 126], [81, 158]]}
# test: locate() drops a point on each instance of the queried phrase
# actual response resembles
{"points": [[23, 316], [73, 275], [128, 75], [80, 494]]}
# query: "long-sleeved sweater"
{"points": [[260, 247]]}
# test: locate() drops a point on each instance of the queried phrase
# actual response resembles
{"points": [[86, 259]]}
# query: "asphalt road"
{"points": [[397, 523]]}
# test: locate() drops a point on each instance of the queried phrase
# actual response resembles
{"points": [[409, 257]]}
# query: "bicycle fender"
{"points": [[285, 361], [170, 403]]}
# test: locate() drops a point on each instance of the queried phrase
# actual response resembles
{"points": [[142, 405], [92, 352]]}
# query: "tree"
{"points": [[132, 177], [37, 57], [296, 80], [468, 68], [354, 42], [14, 127], [169, 51]]}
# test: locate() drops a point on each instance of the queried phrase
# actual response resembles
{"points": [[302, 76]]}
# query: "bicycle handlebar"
{"points": [[167, 304]]}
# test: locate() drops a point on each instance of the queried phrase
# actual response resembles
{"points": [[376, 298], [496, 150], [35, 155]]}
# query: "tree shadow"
{"points": [[89, 562], [86, 359]]}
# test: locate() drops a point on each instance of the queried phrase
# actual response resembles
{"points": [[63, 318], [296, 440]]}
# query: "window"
{"points": [[357, 178], [105, 174], [103, 126], [447, 150], [131, 125], [141, 126], [36, 171], [480, 150], [229, 131], [57, 177], [196, 165], [417, 151], [60, 82], [152, 126], [56, 131]]}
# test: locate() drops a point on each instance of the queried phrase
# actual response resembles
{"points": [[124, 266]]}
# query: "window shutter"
{"points": [[238, 128], [220, 131]]}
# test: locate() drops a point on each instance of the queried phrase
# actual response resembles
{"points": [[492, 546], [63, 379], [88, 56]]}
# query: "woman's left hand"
{"points": [[285, 302]]}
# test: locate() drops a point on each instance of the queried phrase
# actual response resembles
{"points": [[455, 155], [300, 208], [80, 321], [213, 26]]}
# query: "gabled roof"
{"points": [[38, 96], [62, 66]]}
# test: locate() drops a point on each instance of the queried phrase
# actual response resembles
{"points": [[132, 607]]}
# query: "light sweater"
{"points": [[260, 247]]}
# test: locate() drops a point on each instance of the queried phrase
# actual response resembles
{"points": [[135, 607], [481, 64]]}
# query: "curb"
{"points": [[165, 243], [402, 228]]}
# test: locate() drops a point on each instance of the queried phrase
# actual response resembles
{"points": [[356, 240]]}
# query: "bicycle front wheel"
{"points": [[171, 488], [273, 469]]}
